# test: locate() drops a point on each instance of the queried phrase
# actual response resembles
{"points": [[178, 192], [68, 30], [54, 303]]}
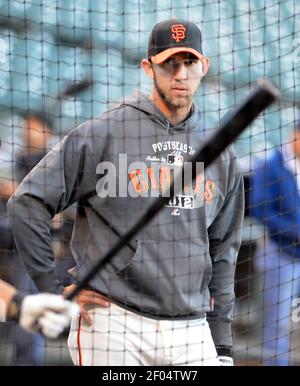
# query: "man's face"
{"points": [[177, 79], [35, 134], [296, 142]]}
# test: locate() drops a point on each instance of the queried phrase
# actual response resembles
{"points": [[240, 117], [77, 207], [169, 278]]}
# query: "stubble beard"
{"points": [[172, 102]]}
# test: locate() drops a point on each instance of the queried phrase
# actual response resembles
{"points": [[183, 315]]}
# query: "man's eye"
{"points": [[170, 62], [191, 61], [188, 62]]}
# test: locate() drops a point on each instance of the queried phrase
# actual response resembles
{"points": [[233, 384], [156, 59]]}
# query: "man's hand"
{"points": [[46, 312], [87, 297]]}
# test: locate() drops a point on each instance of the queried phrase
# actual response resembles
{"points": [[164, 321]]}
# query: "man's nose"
{"points": [[181, 72]]}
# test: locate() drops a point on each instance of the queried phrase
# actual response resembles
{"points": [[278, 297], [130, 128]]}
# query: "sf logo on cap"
{"points": [[178, 32]]}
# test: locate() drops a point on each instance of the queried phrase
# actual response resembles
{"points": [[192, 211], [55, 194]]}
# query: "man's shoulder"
{"points": [[97, 124], [121, 112], [229, 155], [107, 123], [116, 115], [231, 152]]}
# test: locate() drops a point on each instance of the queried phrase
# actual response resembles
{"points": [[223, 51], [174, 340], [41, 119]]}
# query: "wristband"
{"points": [[14, 308]]}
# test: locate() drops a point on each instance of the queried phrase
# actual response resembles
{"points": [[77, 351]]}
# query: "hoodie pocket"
{"points": [[161, 268]]}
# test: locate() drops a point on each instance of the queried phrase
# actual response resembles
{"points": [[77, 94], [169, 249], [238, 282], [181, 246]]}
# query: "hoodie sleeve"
{"points": [[225, 239], [62, 177]]}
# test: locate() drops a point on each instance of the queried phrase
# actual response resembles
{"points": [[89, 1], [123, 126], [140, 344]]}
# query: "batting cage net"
{"points": [[77, 64]]}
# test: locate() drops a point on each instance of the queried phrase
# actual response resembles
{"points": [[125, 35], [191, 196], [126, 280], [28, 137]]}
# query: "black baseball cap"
{"points": [[170, 37]]}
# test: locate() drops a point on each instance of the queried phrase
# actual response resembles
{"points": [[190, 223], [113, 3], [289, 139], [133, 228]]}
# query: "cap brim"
{"points": [[164, 55]]}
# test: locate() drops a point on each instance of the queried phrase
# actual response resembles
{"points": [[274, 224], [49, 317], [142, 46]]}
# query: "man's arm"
{"points": [[62, 177], [7, 292], [225, 239], [46, 312]]}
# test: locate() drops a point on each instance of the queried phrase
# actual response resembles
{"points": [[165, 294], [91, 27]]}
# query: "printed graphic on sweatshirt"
{"points": [[172, 146], [154, 178], [189, 199]]}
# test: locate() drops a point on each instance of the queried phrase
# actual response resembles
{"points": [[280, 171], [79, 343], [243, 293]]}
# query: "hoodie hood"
{"points": [[143, 103]]}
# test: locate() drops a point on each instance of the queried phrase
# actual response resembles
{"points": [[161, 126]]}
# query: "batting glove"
{"points": [[47, 313]]}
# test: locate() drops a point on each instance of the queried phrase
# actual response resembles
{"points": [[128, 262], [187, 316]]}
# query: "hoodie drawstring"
{"points": [[187, 136]]}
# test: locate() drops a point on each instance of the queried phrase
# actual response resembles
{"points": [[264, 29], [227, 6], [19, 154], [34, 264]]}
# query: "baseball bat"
{"points": [[232, 125]]}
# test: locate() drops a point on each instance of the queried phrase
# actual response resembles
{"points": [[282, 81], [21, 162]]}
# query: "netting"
{"points": [[63, 63]]}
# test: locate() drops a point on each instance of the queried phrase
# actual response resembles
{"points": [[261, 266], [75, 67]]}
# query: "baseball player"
{"points": [[47, 313], [168, 297]]}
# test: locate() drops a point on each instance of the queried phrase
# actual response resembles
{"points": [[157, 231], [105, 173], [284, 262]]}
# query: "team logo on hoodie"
{"points": [[193, 195], [154, 179], [173, 159]]}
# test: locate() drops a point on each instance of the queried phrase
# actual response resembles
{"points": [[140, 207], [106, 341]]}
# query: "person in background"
{"points": [[38, 137], [275, 201]]}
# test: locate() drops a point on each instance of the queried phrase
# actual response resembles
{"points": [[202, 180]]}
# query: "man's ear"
{"points": [[147, 67], [205, 65]]}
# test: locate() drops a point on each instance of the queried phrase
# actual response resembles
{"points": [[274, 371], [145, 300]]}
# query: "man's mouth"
{"points": [[180, 91]]}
